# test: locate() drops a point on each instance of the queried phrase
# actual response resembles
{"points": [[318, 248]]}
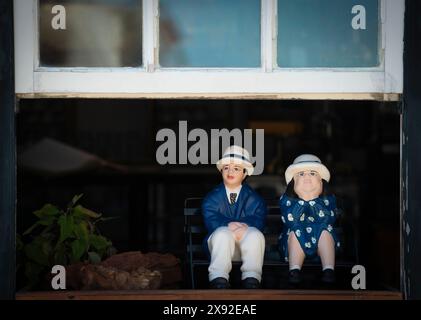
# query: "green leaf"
{"points": [[47, 211], [99, 242], [60, 255], [47, 221], [81, 211], [81, 231], [46, 248], [91, 227], [33, 272], [34, 251], [94, 257], [76, 199], [78, 249], [50, 233], [66, 227], [47, 216]]}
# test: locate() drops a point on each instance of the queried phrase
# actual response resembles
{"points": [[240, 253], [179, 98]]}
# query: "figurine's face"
{"points": [[308, 182], [233, 175]]}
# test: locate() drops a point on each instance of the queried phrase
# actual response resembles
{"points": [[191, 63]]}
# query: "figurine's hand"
{"points": [[238, 228], [234, 225], [240, 232]]}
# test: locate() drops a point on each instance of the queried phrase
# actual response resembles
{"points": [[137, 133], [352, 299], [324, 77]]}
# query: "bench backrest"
{"points": [[195, 230]]}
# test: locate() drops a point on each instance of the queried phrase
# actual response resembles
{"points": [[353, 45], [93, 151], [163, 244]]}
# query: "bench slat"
{"points": [[195, 232]]}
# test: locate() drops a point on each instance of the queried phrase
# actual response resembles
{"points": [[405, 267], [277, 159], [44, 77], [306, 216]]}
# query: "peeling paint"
{"points": [[408, 229]]}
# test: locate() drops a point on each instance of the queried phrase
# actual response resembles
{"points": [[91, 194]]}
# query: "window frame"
{"points": [[152, 81]]}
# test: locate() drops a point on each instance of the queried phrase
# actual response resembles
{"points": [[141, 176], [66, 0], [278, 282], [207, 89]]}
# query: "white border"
{"points": [[394, 30], [151, 80], [23, 16]]}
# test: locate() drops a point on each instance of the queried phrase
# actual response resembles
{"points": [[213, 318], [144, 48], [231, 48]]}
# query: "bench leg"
{"points": [[191, 271]]}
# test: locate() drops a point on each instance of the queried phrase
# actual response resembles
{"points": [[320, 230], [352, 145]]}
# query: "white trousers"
{"points": [[224, 248]]}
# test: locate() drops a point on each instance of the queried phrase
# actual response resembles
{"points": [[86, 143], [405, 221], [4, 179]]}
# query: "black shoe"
{"points": [[328, 276], [250, 283], [219, 283], [294, 276]]}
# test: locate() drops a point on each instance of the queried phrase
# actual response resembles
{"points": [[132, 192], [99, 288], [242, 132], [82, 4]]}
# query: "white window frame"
{"points": [[152, 81]]}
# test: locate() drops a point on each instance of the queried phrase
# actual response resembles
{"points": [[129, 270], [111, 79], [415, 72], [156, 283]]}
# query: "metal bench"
{"points": [[195, 232]]}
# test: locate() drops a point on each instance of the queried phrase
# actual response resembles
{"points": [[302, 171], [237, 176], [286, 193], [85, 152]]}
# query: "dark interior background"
{"points": [[357, 140]]}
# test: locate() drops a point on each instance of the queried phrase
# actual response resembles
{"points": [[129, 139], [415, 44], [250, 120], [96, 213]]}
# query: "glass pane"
{"points": [[327, 33], [209, 33], [90, 33]]}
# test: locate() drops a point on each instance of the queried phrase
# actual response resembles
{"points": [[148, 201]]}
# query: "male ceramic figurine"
{"points": [[309, 214], [234, 216]]}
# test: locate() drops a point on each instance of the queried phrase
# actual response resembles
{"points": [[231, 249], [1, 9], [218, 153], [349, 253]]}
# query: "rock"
{"points": [[167, 264], [126, 271], [132, 260], [73, 276], [98, 277]]}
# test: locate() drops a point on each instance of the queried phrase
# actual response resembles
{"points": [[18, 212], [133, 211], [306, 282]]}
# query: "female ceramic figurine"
{"points": [[309, 214]]}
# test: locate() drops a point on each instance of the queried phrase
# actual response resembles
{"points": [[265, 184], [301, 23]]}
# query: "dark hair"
{"points": [[290, 192], [246, 177]]}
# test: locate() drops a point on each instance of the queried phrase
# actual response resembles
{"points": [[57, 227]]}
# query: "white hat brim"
{"points": [[247, 165], [318, 167]]}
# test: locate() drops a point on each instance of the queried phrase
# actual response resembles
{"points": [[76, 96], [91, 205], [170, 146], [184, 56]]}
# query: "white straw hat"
{"points": [[236, 155], [307, 162]]}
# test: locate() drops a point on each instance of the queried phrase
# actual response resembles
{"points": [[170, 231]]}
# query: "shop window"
{"points": [[325, 33], [358, 140], [207, 33], [90, 33]]}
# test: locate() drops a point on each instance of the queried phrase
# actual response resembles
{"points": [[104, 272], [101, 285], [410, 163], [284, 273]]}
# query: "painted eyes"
{"points": [[235, 169], [310, 173]]}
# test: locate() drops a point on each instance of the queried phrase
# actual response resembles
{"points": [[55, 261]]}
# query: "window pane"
{"points": [[209, 33], [326, 33], [90, 33]]}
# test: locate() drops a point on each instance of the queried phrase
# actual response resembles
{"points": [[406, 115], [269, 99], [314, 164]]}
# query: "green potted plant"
{"points": [[61, 237]]}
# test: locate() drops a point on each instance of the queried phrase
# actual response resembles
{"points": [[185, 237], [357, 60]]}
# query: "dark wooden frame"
{"points": [[7, 154], [411, 154]]}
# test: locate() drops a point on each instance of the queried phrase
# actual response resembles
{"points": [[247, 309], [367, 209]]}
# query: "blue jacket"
{"points": [[218, 212]]}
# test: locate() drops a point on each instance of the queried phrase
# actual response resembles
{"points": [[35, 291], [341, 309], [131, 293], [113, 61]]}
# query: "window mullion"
{"points": [[150, 34], [268, 35]]}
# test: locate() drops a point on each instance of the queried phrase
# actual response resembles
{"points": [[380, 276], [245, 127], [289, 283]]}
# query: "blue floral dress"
{"points": [[307, 219]]}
